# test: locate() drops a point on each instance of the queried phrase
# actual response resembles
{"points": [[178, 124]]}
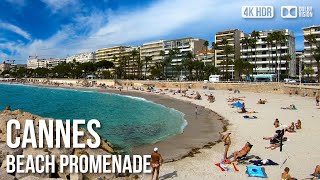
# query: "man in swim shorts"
{"points": [[156, 161]]}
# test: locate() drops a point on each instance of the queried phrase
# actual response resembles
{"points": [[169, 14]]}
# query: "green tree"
{"points": [[146, 60], [227, 50], [206, 44], [308, 71], [255, 35], [239, 67], [315, 52]]}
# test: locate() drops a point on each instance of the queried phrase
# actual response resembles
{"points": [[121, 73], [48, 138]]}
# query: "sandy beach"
{"points": [[300, 153]]}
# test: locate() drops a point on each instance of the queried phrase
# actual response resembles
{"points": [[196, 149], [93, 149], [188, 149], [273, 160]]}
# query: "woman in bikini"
{"points": [[245, 150], [227, 143]]}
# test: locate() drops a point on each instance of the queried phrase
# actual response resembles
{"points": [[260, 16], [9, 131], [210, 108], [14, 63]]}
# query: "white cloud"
{"points": [[158, 20], [16, 2], [56, 5], [15, 29]]}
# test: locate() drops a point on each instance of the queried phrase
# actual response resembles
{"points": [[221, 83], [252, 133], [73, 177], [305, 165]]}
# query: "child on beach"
{"points": [[316, 172], [286, 176], [298, 124], [227, 143]]}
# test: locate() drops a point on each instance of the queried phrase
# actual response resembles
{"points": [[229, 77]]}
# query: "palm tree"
{"points": [[163, 63], [188, 64], [287, 58], [255, 35], [314, 52], [269, 43], [206, 44], [308, 71], [282, 39], [239, 66], [134, 53], [251, 43], [146, 59], [224, 42], [227, 49], [214, 46], [248, 67]]}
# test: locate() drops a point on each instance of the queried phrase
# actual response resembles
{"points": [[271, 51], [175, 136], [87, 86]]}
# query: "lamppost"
{"points": [[300, 70]]}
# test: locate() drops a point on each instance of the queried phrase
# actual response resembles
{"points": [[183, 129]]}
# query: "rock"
{"points": [[5, 150], [5, 176], [76, 176], [106, 146], [33, 152], [38, 178]]}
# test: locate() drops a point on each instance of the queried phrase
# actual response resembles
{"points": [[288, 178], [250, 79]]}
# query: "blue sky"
{"points": [[56, 28]]}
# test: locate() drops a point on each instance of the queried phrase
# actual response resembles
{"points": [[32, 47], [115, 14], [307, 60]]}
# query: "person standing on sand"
{"points": [[227, 143], [156, 162], [317, 100], [196, 110]]}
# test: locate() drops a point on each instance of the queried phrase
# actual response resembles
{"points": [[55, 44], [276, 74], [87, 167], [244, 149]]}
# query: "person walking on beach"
{"points": [[317, 100], [196, 110], [156, 162], [227, 143]]}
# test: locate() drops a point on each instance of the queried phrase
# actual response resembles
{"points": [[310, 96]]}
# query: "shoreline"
{"points": [[202, 131]]}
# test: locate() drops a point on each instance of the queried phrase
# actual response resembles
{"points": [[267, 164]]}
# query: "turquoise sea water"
{"points": [[126, 121]]}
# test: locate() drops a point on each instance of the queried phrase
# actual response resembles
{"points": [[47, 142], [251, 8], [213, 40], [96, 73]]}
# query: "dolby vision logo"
{"points": [[289, 12]]}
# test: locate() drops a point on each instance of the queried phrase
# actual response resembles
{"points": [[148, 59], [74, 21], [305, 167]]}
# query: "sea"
{"points": [[126, 121]]}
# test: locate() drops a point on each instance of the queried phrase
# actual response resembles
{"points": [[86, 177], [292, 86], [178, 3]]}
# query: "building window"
{"points": [[264, 59], [264, 46], [264, 52], [264, 65]]}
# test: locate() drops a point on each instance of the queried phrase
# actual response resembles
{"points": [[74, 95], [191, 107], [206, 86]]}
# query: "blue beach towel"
{"points": [[237, 104], [256, 171]]}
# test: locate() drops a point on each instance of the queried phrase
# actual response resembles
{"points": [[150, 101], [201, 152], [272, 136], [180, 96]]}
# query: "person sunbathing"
{"points": [[275, 140], [286, 176], [198, 96], [291, 107], [316, 172], [291, 128], [262, 101], [243, 152], [298, 124]]}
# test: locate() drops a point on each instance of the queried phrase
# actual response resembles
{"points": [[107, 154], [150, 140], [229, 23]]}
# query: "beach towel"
{"points": [[267, 162], [256, 171], [250, 117], [227, 167], [237, 104]]}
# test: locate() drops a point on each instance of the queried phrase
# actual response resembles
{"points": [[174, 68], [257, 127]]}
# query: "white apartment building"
{"points": [[82, 57], [44, 63], [206, 56], [269, 59], [112, 54], [4, 67], [184, 46], [37, 63], [118, 54], [53, 62], [151, 49], [309, 60], [233, 38]]}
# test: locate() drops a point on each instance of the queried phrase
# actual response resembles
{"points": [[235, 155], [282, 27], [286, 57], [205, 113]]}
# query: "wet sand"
{"points": [[202, 129]]}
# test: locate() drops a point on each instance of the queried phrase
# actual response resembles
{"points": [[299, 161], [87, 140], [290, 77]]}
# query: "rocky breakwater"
{"points": [[104, 149]]}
